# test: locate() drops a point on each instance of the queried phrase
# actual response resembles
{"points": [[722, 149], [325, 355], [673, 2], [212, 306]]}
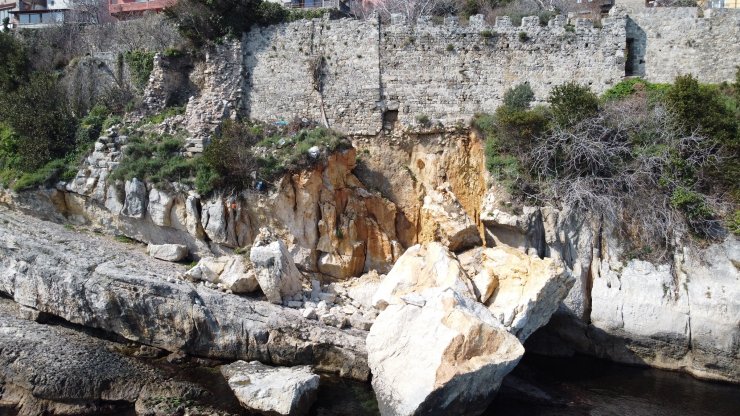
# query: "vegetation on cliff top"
{"points": [[204, 22], [41, 138], [241, 155], [672, 148]]}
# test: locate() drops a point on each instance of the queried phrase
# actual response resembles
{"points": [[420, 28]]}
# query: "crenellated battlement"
{"points": [[366, 75]]}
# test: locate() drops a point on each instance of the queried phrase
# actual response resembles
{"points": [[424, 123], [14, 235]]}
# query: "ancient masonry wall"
{"points": [[670, 41], [361, 76], [446, 72]]}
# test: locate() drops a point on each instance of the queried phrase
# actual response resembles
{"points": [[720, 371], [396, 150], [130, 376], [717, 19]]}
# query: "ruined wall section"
{"points": [[670, 41], [292, 70], [449, 72]]}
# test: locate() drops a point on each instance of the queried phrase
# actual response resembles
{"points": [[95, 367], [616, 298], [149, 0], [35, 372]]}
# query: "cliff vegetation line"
{"points": [[670, 147]]}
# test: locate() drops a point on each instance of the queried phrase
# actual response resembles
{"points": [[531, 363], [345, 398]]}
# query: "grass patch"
{"points": [[124, 239], [157, 160]]}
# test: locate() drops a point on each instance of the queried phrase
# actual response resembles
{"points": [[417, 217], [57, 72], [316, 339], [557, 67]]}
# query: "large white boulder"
{"points": [[167, 252], [233, 273], [421, 267], [521, 291], [440, 354], [272, 390], [238, 276], [277, 275]]}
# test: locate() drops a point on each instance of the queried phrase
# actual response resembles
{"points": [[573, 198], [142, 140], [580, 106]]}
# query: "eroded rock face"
{"points": [[442, 354], [444, 219], [679, 314], [167, 252], [160, 204], [95, 282], [276, 272], [134, 205], [272, 390], [430, 265]]}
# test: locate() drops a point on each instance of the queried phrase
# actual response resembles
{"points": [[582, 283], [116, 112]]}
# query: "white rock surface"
{"points": [[527, 291], [238, 276], [160, 205], [421, 267], [167, 252], [272, 390], [134, 205], [445, 358], [276, 273]]}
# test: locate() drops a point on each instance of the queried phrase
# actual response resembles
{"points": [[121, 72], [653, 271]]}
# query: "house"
{"points": [[342, 5], [126, 9], [5, 7], [39, 13]]}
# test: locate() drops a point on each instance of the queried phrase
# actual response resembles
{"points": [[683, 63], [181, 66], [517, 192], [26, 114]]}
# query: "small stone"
{"points": [[327, 297], [414, 299], [167, 252], [310, 313], [295, 304]]}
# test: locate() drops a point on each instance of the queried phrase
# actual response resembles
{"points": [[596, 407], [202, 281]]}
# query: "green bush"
{"points": [[141, 64], [164, 114], [571, 103], [14, 64], [630, 86], [91, 125], [523, 37], [517, 129], [693, 204], [423, 120], [205, 22], [733, 224], [38, 112], [714, 114], [157, 160], [519, 97]]}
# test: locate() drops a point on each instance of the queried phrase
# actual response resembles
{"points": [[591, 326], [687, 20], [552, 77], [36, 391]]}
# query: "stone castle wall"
{"points": [[445, 72], [670, 41], [363, 75]]}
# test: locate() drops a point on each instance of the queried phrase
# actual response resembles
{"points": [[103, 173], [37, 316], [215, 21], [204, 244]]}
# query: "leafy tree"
{"points": [[571, 103], [519, 97], [39, 114], [14, 64], [204, 21]]}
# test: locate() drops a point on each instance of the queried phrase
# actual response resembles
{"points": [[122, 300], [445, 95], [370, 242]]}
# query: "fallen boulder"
{"points": [[448, 356], [276, 273], [272, 390], [167, 252], [521, 291], [238, 276], [430, 265]]}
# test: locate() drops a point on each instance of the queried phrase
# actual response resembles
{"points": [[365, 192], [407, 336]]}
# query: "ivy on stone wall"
{"points": [[141, 64]]}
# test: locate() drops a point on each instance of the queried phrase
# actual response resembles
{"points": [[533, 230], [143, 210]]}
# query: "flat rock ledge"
{"points": [[57, 370], [99, 283], [287, 391]]}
